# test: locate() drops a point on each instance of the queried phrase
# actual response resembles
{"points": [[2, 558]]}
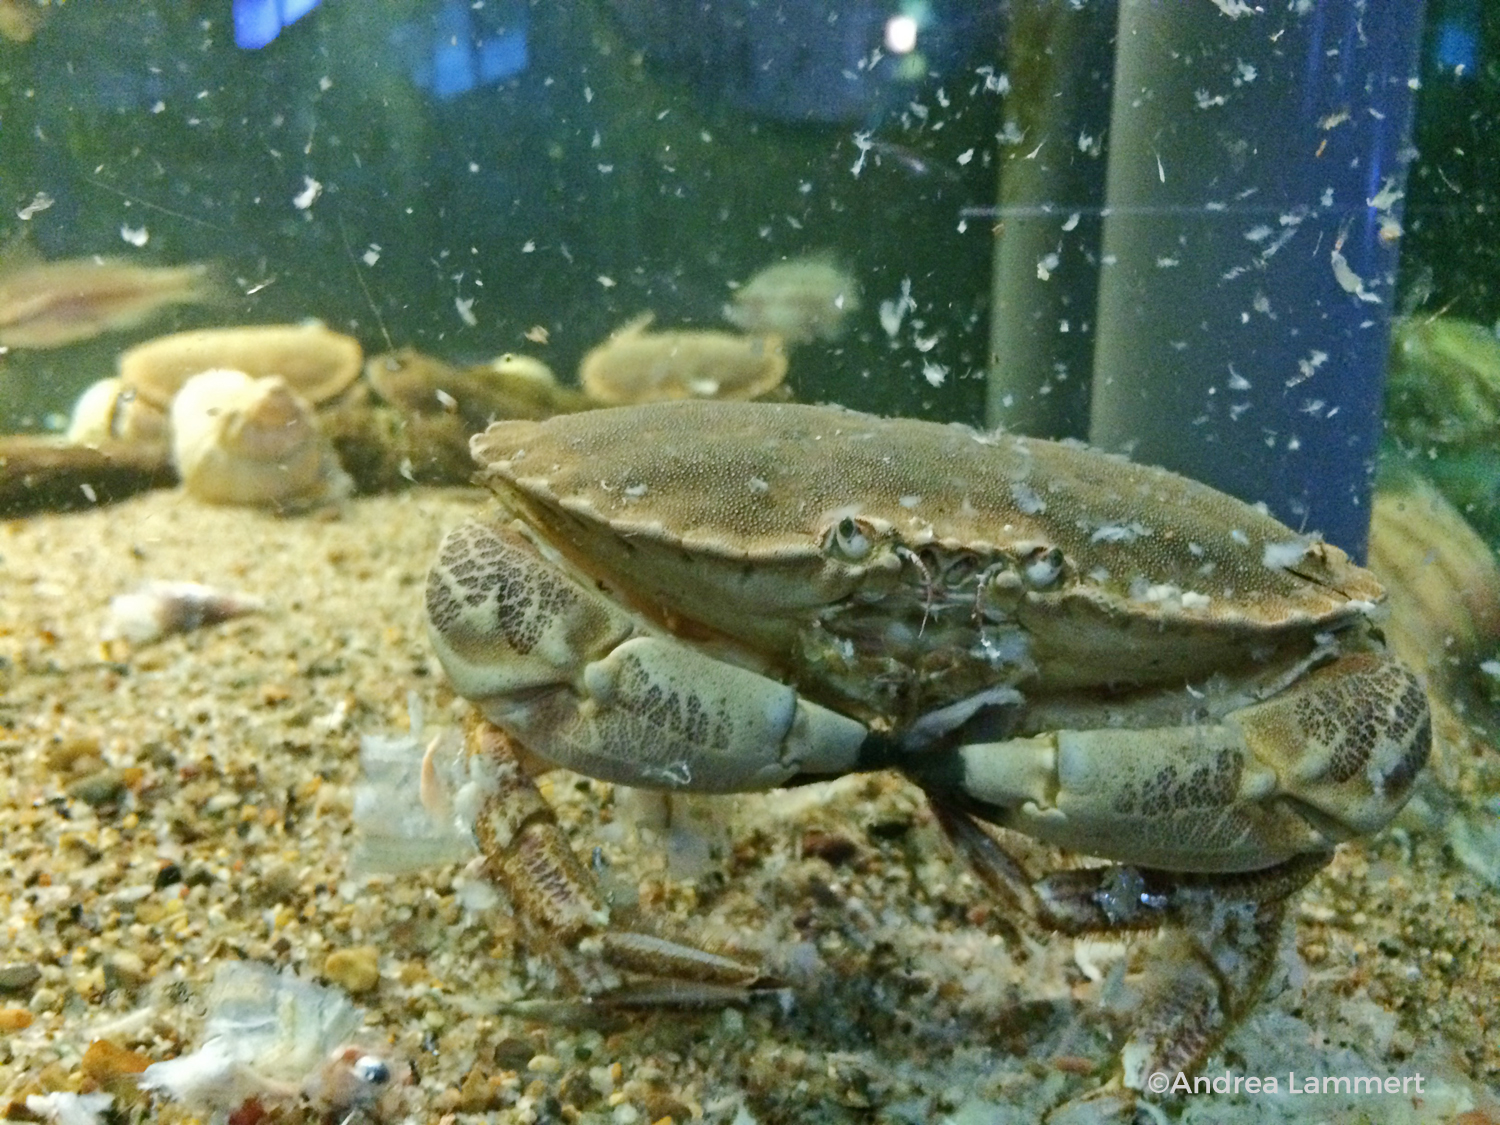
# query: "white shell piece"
{"points": [[240, 440]]}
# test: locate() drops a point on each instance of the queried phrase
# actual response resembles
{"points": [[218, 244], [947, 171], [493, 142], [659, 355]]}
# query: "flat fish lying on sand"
{"points": [[49, 304]]}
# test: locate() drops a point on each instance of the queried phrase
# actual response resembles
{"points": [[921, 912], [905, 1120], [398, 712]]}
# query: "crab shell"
{"points": [[766, 529]]}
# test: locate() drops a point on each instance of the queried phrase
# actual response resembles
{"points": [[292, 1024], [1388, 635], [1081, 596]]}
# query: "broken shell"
{"points": [[240, 440], [108, 411], [159, 609], [316, 362], [635, 366]]}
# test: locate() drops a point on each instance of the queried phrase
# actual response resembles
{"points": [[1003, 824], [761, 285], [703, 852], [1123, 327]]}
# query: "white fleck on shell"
{"points": [[239, 440]]}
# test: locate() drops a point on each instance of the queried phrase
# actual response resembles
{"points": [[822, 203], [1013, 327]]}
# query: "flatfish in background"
{"points": [[19, 19], [799, 300], [49, 304]]}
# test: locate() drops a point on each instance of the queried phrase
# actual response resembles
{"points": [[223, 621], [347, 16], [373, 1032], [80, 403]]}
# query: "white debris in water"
{"points": [[934, 373], [305, 198], [1191, 599], [1490, 668], [136, 236], [1349, 281], [1279, 556], [864, 144], [1046, 264], [635, 491], [892, 312], [759, 486], [909, 501], [405, 803], [371, 255], [39, 203], [1387, 196], [1240, 537], [465, 307]]}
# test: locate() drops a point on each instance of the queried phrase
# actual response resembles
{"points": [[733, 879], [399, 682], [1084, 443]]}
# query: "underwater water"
{"points": [[267, 266]]}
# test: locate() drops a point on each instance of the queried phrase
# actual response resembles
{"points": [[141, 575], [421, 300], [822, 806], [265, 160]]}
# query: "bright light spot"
{"points": [[901, 35]]}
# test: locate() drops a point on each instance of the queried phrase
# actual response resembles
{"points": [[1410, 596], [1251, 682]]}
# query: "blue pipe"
{"points": [[1256, 167]]}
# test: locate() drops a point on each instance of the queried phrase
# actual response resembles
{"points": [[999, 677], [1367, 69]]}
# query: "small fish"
{"points": [[50, 304], [912, 162]]}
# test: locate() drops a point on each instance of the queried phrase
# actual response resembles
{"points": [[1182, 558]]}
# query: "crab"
{"points": [[1050, 640]]}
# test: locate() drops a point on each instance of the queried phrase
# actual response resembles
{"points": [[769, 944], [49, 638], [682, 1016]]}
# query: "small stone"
{"points": [[124, 969], [104, 1060], [46, 999], [15, 1019], [512, 1053], [278, 882], [19, 978], [578, 1090], [73, 755], [99, 788], [544, 1064], [475, 1095], [831, 847], [661, 1106], [355, 970]]}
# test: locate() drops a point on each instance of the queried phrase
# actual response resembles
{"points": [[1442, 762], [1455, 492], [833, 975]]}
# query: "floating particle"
{"points": [[311, 189], [39, 203]]}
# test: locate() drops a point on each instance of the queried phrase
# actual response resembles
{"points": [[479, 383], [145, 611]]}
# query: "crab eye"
{"points": [[1042, 567], [848, 539], [371, 1070]]}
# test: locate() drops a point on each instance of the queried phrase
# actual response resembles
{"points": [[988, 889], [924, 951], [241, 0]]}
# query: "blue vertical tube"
{"points": [[1257, 158]]}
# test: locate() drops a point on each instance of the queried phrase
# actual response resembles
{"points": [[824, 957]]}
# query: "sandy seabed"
{"points": [[173, 806]]}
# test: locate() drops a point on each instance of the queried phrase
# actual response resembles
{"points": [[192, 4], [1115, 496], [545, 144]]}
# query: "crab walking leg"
{"points": [[583, 684], [527, 854], [1218, 946], [1332, 757]]}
